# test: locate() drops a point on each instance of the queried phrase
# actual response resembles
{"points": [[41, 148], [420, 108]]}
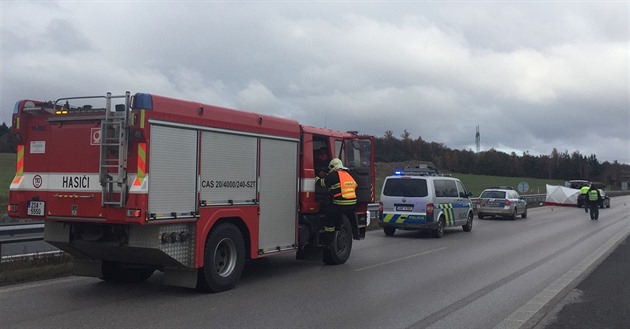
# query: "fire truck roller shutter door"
{"points": [[228, 168], [173, 172], [278, 194]]}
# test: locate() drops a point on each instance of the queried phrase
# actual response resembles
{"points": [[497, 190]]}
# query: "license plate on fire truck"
{"points": [[36, 208]]}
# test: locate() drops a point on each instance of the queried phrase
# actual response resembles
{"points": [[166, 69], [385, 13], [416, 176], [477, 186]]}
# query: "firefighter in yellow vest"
{"points": [[584, 193], [342, 188]]}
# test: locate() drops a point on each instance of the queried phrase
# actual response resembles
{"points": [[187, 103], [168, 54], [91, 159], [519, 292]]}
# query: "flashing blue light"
{"points": [[398, 172], [143, 101]]}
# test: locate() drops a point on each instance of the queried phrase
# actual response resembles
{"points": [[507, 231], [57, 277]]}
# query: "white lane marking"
{"points": [[399, 259]]}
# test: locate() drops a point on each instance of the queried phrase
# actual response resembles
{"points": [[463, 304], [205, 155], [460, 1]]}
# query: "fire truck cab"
{"points": [[131, 184]]}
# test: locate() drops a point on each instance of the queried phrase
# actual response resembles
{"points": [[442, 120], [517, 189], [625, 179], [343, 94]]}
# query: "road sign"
{"points": [[523, 187]]}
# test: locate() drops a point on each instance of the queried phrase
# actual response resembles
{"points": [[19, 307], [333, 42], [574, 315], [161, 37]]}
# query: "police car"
{"points": [[415, 201]]}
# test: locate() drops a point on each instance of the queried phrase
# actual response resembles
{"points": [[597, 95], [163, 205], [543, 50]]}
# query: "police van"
{"points": [[415, 201]]}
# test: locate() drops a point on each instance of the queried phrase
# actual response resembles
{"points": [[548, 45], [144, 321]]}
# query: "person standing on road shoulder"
{"points": [[584, 193], [594, 198], [342, 188]]}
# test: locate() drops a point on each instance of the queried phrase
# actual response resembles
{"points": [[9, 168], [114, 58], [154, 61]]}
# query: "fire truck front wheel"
{"points": [[223, 260], [339, 251]]}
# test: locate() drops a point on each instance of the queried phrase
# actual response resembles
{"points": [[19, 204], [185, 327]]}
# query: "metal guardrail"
{"points": [[21, 232]]}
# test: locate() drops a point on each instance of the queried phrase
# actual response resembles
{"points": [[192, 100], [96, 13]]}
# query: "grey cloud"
{"points": [[530, 74]]}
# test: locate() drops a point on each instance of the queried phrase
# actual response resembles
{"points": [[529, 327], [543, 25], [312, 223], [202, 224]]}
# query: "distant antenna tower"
{"points": [[477, 139]]}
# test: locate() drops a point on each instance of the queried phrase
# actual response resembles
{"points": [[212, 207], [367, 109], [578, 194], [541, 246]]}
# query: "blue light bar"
{"points": [[143, 101]]}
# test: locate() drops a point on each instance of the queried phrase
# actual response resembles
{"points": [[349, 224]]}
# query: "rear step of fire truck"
{"points": [[114, 144]]}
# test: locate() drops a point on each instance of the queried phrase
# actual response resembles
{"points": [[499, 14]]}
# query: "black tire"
{"points": [[524, 214], [122, 273], [480, 216], [469, 223], [514, 214], [224, 258], [339, 252], [608, 204], [389, 231], [438, 232]]}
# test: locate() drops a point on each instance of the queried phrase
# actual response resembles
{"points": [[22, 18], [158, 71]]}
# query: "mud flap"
{"points": [[358, 233], [186, 278]]}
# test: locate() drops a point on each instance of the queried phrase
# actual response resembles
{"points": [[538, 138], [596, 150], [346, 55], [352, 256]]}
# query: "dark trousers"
{"points": [[594, 205], [335, 215]]}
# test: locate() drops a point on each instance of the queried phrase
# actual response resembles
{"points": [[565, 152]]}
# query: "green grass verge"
{"points": [[28, 269], [7, 173], [477, 183]]}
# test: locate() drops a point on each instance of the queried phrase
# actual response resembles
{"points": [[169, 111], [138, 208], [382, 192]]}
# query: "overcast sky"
{"points": [[533, 75]]}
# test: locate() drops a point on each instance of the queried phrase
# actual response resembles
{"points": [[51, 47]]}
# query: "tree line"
{"points": [[7, 140], [557, 165]]}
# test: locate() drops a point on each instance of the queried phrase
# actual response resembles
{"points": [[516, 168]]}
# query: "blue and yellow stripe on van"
{"points": [[404, 218], [447, 209]]}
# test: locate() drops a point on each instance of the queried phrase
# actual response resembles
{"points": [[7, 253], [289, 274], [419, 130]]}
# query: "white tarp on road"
{"points": [[561, 196]]}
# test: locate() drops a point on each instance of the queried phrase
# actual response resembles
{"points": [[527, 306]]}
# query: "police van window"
{"points": [[462, 191], [403, 187], [445, 188]]}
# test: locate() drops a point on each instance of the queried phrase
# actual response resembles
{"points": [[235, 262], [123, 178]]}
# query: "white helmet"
{"points": [[335, 164]]}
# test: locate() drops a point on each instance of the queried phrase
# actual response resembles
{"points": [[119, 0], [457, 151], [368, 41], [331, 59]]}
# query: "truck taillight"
{"points": [[430, 209], [134, 213], [12, 207]]}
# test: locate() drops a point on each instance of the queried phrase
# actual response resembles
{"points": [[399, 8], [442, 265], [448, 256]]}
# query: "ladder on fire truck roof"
{"points": [[114, 147]]}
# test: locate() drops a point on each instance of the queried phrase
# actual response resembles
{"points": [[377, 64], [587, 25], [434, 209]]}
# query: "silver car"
{"points": [[504, 202]]}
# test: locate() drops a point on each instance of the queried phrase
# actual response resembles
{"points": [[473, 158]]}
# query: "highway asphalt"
{"points": [[601, 300]]}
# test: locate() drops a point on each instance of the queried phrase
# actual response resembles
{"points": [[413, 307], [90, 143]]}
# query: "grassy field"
{"points": [[477, 183], [7, 172]]}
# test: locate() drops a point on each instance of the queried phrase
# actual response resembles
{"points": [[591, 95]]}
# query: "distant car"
{"points": [[503, 202], [581, 198], [603, 203]]}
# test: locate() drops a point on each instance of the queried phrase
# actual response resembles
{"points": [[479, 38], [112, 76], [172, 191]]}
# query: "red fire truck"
{"points": [[130, 184]]}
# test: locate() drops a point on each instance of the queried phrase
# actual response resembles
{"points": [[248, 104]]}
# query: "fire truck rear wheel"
{"points": [[117, 272], [224, 258], [339, 252]]}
